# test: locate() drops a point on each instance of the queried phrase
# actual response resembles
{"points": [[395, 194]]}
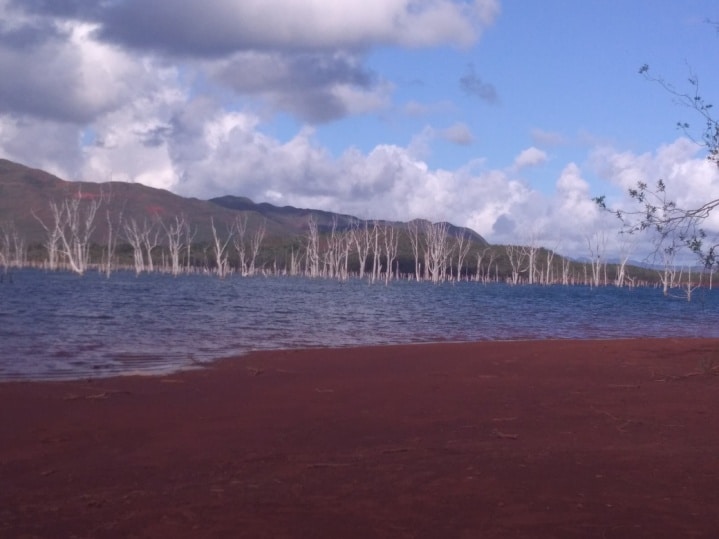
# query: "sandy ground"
{"points": [[515, 439]]}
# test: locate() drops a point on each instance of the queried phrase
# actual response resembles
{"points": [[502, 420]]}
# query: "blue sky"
{"points": [[506, 116]]}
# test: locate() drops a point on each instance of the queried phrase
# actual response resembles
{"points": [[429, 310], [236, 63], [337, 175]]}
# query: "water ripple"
{"points": [[55, 325]]}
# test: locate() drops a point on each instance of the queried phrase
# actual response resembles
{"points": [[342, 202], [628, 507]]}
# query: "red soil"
{"points": [[517, 439]]}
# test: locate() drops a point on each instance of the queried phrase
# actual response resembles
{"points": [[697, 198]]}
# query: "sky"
{"points": [[505, 116]]}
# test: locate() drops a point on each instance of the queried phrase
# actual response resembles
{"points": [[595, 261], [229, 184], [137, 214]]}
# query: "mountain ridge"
{"points": [[26, 194]]}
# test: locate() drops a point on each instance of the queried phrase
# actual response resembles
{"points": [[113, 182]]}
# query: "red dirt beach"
{"points": [[493, 439]]}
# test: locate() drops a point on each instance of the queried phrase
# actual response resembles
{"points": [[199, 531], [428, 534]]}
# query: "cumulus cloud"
{"points": [[57, 76], [305, 58], [691, 180], [458, 133], [172, 94], [530, 157], [219, 27], [315, 87], [48, 145]]}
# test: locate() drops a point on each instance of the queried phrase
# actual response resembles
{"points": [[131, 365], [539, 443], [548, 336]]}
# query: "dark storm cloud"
{"points": [[41, 84], [82, 9], [305, 58], [300, 83], [41, 75], [473, 85], [155, 136], [22, 38], [192, 29], [178, 28]]}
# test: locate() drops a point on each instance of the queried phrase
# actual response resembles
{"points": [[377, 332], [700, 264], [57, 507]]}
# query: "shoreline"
{"points": [[200, 365], [570, 438]]}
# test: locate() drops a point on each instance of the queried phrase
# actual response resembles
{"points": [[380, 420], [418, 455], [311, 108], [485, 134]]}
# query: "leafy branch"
{"points": [[655, 211]]}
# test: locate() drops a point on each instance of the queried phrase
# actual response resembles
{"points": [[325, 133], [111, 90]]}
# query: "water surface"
{"points": [[59, 325]]}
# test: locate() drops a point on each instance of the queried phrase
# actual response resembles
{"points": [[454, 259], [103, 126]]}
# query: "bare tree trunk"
{"points": [[530, 252], [463, 245], [239, 243], [256, 243], [51, 244], [189, 236], [222, 266], [668, 274], [437, 252], [516, 256], [150, 240], [176, 238], [391, 242], [5, 247], [414, 240], [549, 275], [72, 229], [313, 256], [566, 264], [376, 254], [111, 244], [133, 235], [362, 237], [597, 245], [478, 272]]}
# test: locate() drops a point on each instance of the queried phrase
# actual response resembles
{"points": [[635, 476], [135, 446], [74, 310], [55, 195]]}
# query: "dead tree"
{"points": [[133, 235], [517, 260], [391, 243], [549, 273], [13, 249], [530, 253], [597, 245], [70, 233], [312, 260], [362, 238], [113, 227], [625, 251], [240, 242], [414, 240], [437, 251], [219, 246], [255, 245], [462, 247], [177, 240]]}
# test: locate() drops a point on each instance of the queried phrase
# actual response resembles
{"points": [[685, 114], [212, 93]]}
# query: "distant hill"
{"points": [[26, 194], [296, 218]]}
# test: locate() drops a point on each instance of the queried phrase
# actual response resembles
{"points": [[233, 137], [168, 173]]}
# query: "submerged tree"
{"points": [[69, 234]]}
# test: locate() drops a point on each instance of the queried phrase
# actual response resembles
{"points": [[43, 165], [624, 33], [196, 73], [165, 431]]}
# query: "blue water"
{"points": [[62, 326]]}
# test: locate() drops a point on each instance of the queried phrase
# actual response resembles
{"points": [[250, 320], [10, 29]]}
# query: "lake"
{"points": [[57, 325]]}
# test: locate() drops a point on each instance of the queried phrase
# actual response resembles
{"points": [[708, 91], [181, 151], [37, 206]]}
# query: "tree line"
{"points": [[378, 251]]}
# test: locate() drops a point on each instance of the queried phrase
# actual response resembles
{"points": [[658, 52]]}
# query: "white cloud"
{"points": [[314, 87], [691, 180], [531, 157], [458, 133], [222, 26], [144, 92], [73, 78], [50, 146]]}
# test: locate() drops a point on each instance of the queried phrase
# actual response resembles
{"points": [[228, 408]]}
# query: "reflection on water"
{"points": [[59, 325]]}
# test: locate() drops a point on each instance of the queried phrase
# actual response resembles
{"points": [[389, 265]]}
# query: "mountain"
{"points": [[296, 218], [26, 195]]}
